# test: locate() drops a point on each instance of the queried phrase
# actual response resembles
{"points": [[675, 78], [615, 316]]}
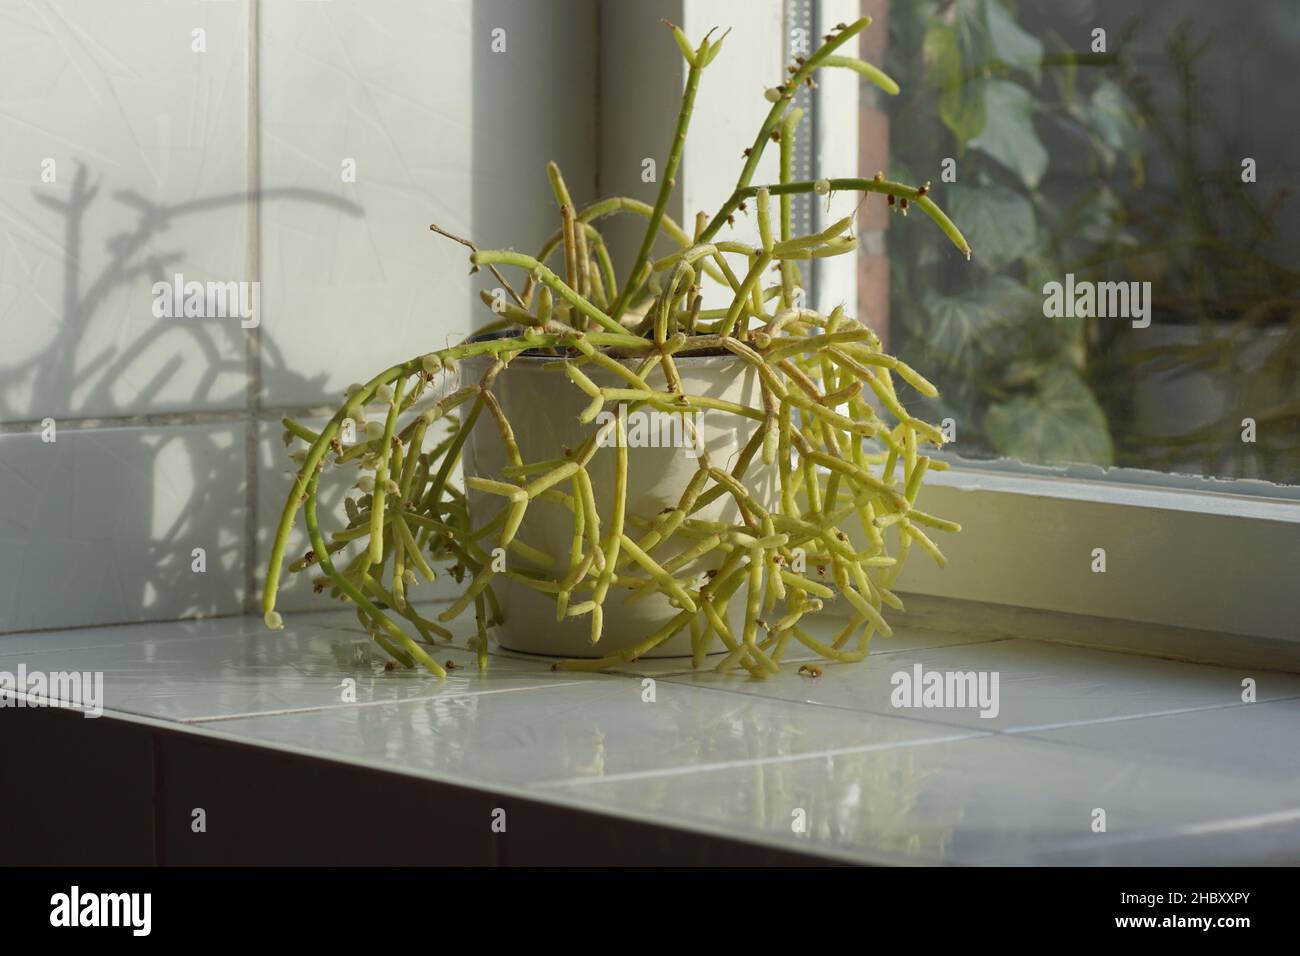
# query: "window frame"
{"points": [[1199, 554]]}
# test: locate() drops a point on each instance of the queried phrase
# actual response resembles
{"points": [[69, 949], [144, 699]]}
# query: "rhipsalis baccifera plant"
{"points": [[829, 429]]}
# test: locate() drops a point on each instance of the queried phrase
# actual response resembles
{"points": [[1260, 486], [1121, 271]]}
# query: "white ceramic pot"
{"points": [[542, 406]]}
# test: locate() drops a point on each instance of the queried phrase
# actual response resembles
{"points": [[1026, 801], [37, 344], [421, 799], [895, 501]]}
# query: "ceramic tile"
{"points": [[236, 625], [125, 158], [100, 525], [989, 799], [588, 727], [83, 638], [1254, 741], [368, 127], [1271, 838], [1039, 684], [302, 667]]}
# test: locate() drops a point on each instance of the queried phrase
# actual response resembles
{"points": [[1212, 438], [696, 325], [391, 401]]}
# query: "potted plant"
{"points": [[784, 423]]}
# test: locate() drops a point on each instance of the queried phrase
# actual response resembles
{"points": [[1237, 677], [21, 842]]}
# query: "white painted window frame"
{"points": [[1197, 555]]}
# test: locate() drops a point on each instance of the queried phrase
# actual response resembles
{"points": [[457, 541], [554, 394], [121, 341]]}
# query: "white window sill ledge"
{"points": [[1185, 771], [1192, 557]]}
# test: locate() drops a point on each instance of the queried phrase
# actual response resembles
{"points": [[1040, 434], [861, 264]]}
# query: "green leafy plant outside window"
{"points": [[1036, 129]]}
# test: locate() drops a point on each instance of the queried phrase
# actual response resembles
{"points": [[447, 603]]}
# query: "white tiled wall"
{"points": [[144, 138], [346, 85], [378, 119], [123, 159], [102, 524]]}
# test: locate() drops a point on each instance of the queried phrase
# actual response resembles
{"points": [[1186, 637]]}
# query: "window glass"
{"points": [[1126, 176]]}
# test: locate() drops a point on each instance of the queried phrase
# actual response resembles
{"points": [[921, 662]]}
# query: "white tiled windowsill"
{"points": [[1186, 772]]}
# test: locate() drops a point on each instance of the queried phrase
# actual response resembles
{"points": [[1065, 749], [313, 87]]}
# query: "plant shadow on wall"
{"points": [[1010, 112], [111, 515]]}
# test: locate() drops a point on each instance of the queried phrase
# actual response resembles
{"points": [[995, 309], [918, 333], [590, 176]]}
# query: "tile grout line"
{"points": [[290, 711], [1181, 830], [1044, 728], [6, 654], [255, 625], [166, 419], [572, 782], [253, 356]]}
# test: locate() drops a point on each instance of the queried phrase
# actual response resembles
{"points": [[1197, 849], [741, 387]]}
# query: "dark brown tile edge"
{"points": [[74, 790], [112, 792]]}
